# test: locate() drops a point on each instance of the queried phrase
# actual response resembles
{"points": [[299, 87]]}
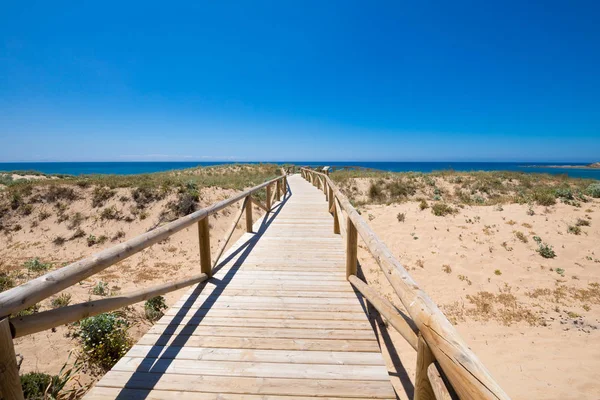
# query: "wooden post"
{"points": [[351, 249], [269, 198], [204, 239], [285, 187], [278, 190], [10, 382], [248, 215], [423, 389], [336, 220], [326, 191], [330, 198]]}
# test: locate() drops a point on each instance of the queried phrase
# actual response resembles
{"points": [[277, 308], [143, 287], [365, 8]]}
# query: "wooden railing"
{"points": [[427, 330], [29, 293]]}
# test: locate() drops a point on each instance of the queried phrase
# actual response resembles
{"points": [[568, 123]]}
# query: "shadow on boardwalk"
{"points": [[162, 353]]}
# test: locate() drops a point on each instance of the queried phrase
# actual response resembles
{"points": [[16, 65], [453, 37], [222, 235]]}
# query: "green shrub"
{"points": [[574, 229], [154, 308], [442, 209], [40, 386], [537, 239], [401, 217], [61, 301], [564, 193], [521, 236], [546, 251], [594, 190], [35, 265], [185, 204], [100, 195], [544, 197], [375, 192], [91, 240], [28, 311], [105, 339], [34, 385], [110, 213], [401, 188], [6, 281], [100, 289], [582, 222], [59, 241], [423, 205]]}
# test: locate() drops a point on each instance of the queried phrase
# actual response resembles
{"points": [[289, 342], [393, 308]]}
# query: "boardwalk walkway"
{"points": [[278, 319]]}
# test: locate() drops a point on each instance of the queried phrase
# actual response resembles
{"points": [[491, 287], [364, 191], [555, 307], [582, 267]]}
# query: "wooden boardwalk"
{"points": [[278, 319]]}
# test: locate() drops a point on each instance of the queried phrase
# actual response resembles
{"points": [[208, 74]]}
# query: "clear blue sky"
{"points": [[283, 80]]}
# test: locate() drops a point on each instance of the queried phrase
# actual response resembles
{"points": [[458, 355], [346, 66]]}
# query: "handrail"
{"points": [[29, 293], [468, 376]]}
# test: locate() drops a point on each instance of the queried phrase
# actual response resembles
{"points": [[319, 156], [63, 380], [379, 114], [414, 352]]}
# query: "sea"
{"points": [[142, 167]]}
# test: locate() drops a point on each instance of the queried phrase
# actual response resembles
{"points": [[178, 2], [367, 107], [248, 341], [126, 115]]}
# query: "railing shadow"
{"points": [[384, 340], [156, 362]]}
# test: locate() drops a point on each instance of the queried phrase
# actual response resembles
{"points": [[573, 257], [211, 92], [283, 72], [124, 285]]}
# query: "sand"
{"points": [[539, 345]]}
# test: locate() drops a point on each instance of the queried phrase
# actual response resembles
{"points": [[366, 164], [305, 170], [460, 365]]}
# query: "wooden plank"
{"points": [[265, 323], [107, 393], [266, 343], [248, 332], [252, 369], [255, 355], [265, 386], [266, 314]]}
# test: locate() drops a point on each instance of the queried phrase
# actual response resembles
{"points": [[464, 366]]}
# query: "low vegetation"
{"points": [[105, 339], [154, 308]]}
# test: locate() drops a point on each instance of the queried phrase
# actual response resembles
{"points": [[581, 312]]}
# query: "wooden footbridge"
{"points": [[279, 315]]}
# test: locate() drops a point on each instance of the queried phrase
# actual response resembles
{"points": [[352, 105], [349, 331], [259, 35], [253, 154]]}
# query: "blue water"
{"points": [[129, 168]]}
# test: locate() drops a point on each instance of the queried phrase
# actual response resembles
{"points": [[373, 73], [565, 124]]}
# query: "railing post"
{"points": [[249, 214], [269, 197], [336, 221], [204, 239], [278, 190], [326, 191], [423, 389], [330, 198], [10, 382], [351, 248]]}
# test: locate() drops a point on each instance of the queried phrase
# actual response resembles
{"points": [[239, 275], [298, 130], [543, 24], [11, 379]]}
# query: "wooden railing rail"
{"points": [[29, 293], [467, 375]]}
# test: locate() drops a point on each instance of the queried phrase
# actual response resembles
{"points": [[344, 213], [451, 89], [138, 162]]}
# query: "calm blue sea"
{"points": [[129, 168]]}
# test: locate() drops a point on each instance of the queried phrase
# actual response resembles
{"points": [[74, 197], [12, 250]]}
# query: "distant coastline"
{"points": [[595, 165]]}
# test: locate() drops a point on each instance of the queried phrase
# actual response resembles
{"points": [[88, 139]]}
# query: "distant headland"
{"points": [[595, 165]]}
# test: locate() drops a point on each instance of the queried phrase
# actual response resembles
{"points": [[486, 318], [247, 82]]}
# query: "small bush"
{"points": [[375, 192], [79, 233], [594, 190], [105, 339], [28, 311], [35, 265], [186, 203], [521, 236], [100, 289], [441, 209], [497, 272], [91, 240], [544, 197], [43, 215], [574, 229], [546, 251], [100, 195], [110, 213], [564, 193], [423, 205], [446, 268], [61, 301], [59, 241], [6, 281], [154, 308], [75, 220], [401, 217], [582, 222], [34, 385], [55, 193], [537, 239], [40, 386]]}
